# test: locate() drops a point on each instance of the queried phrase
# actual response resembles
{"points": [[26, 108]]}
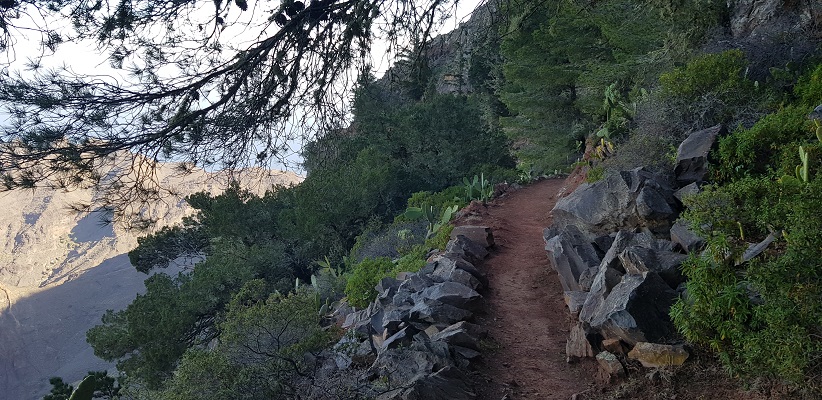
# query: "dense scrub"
{"points": [[762, 316]]}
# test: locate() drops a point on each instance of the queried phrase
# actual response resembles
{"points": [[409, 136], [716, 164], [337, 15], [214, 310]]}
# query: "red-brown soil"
{"points": [[528, 322]]}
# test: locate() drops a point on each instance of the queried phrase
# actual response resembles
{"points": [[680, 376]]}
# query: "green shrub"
{"points": [[451, 196], [363, 278], [759, 149], [595, 174], [390, 241], [762, 316], [441, 238], [808, 89], [711, 89], [709, 73], [413, 261]]}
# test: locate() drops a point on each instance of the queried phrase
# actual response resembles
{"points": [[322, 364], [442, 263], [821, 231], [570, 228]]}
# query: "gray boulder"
{"points": [[692, 155], [432, 312], [636, 310], [447, 265], [465, 248], [628, 199], [572, 256], [455, 294], [687, 190], [447, 383], [578, 346], [481, 235], [575, 300], [463, 334], [682, 235], [394, 317]]}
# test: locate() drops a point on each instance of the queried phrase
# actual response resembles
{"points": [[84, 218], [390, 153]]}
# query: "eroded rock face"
{"points": [[758, 18]]}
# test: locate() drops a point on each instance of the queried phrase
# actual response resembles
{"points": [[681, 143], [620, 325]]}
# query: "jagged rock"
{"points": [[466, 353], [467, 249], [669, 267], [687, 190], [387, 288], [613, 345], [481, 235], [402, 338], [772, 19], [611, 270], [653, 355], [637, 260], [394, 318], [418, 282], [575, 300], [365, 321], [432, 311], [617, 202], [651, 205], [407, 364], [571, 256], [610, 364], [455, 294], [447, 383], [692, 155], [351, 350], [635, 310], [603, 243], [458, 270], [449, 261], [462, 334], [595, 207], [578, 345], [685, 238]]}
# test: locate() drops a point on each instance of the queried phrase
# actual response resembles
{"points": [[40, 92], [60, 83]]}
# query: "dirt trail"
{"points": [[527, 317]]}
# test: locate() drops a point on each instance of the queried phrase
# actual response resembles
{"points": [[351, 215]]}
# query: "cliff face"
{"points": [[60, 271], [769, 18]]}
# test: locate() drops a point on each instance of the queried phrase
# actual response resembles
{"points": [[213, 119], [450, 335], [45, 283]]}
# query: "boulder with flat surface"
{"points": [[692, 155]]}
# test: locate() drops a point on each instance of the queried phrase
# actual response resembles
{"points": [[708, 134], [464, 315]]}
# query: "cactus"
{"points": [[85, 390], [802, 170], [818, 130], [478, 189]]}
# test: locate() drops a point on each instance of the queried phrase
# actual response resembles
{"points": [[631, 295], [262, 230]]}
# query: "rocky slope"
{"points": [[60, 271]]}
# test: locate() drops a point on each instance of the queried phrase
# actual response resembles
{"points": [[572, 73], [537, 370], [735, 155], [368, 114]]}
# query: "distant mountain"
{"points": [[60, 271]]}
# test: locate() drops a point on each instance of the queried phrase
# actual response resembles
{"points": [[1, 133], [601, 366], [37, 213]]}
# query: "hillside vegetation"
{"points": [[628, 78]]}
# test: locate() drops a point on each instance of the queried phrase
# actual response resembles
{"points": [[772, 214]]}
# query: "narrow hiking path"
{"points": [[527, 319]]}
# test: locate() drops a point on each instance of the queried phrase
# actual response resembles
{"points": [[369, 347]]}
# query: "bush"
{"points": [[413, 261], [809, 88], [762, 316], [363, 278], [711, 89], [451, 196], [391, 241], [757, 150], [441, 238]]}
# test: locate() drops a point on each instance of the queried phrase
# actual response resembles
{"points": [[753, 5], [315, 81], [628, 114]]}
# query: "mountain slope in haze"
{"points": [[60, 271]]}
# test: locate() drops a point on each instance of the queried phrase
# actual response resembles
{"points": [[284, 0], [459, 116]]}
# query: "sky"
{"points": [[86, 58]]}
